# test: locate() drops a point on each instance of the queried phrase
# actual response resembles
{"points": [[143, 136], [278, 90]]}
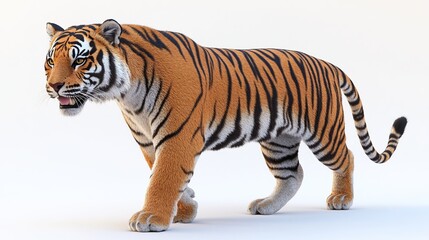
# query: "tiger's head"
{"points": [[85, 63]]}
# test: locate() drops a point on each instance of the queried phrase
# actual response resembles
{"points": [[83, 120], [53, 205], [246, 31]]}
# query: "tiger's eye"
{"points": [[50, 61], [80, 61]]}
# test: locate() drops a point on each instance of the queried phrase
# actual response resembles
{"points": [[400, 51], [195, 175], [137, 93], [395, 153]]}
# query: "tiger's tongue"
{"points": [[64, 100]]}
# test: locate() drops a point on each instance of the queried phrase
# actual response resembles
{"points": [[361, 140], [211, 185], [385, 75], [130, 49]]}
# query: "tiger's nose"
{"points": [[56, 86]]}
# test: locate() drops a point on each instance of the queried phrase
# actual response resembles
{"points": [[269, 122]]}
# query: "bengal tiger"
{"points": [[180, 99]]}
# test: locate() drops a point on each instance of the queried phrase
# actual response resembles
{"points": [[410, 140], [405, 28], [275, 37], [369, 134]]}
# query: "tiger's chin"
{"points": [[71, 111], [71, 106]]}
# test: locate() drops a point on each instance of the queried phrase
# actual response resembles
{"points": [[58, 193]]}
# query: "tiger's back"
{"points": [[180, 99], [276, 91]]}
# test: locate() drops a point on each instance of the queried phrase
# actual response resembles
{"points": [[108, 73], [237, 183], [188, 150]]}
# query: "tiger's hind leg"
{"points": [[281, 157], [186, 207], [341, 197], [334, 154]]}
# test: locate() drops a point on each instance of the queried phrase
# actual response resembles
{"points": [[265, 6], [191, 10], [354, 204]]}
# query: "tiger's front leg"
{"points": [[171, 174]]}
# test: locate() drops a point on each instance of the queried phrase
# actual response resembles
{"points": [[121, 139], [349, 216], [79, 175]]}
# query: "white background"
{"points": [[83, 177]]}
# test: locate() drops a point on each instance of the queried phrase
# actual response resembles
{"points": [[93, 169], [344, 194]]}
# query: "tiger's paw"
{"points": [[147, 222], [186, 211], [263, 206], [339, 201], [186, 207]]}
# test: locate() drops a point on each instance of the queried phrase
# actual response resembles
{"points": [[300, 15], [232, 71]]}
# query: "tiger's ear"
{"points": [[111, 30], [52, 28]]}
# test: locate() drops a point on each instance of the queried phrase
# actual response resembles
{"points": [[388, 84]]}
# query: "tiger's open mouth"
{"points": [[71, 102]]}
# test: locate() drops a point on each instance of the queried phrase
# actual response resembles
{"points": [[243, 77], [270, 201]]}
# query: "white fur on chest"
{"points": [[137, 106]]}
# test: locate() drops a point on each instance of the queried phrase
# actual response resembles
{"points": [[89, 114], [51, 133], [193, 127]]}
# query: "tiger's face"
{"points": [[84, 63]]}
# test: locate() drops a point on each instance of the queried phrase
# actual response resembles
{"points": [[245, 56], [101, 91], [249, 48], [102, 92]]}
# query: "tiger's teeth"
{"points": [[64, 100], [72, 101]]}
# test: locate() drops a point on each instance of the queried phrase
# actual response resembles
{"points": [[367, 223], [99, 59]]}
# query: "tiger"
{"points": [[180, 99]]}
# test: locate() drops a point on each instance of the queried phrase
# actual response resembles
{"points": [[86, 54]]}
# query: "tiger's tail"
{"points": [[398, 127]]}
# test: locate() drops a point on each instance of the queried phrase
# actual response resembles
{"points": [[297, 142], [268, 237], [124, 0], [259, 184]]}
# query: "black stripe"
{"points": [[157, 42], [239, 142], [186, 171], [179, 129], [341, 164], [271, 150], [287, 107], [283, 146], [246, 82], [363, 137], [214, 115], [257, 111], [137, 49], [269, 98], [386, 154], [156, 97], [292, 168], [258, 53], [155, 132], [350, 93], [153, 40], [332, 152], [215, 136], [319, 96], [235, 134], [148, 88], [271, 160], [392, 145], [335, 142], [112, 78], [267, 64], [284, 178], [172, 40], [225, 53], [298, 91], [392, 135], [362, 128], [99, 75], [359, 115], [367, 146], [252, 64], [161, 105], [200, 64], [195, 132], [219, 60], [272, 103], [187, 44], [143, 144], [300, 62]]}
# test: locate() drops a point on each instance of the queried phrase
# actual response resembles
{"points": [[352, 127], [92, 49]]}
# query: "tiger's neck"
{"points": [[139, 55], [138, 52]]}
